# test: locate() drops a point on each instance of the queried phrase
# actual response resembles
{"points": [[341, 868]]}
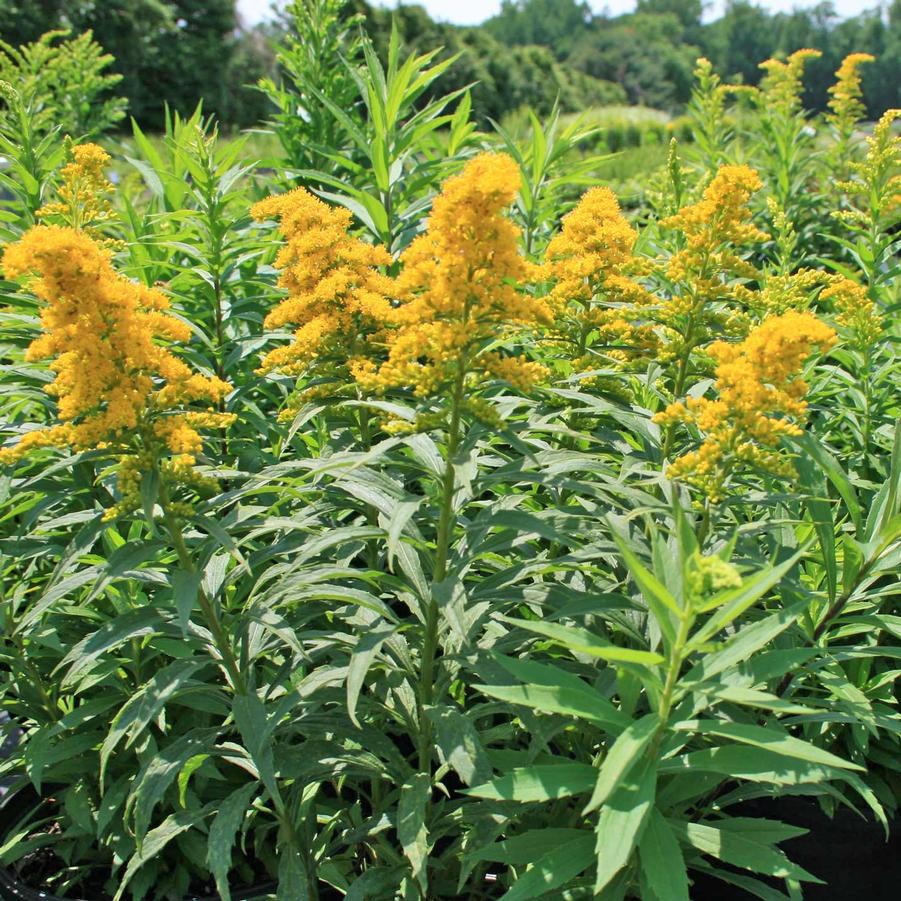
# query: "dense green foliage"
{"points": [[396, 518]]}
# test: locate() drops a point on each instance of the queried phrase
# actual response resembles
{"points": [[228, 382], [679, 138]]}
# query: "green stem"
{"points": [[837, 606], [442, 547], [867, 407], [704, 527], [674, 667], [207, 607], [29, 669], [681, 378], [372, 514]]}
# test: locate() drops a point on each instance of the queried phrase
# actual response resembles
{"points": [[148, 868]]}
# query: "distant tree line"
{"points": [[650, 54], [532, 53], [168, 51]]}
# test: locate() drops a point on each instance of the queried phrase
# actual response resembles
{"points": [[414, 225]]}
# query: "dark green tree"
{"points": [[549, 23], [644, 54]]}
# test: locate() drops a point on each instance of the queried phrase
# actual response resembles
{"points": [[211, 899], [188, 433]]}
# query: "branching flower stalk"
{"points": [[761, 397], [784, 131], [709, 272], [104, 332], [846, 108], [460, 290]]}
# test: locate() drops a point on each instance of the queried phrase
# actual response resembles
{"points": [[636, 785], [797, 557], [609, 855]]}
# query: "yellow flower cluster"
{"points": [[707, 575], [758, 386], [855, 311], [337, 297], [595, 300], [781, 86], [876, 179], [595, 241], [846, 104], [461, 286], [781, 292], [708, 272], [721, 216], [115, 385], [83, 198]]}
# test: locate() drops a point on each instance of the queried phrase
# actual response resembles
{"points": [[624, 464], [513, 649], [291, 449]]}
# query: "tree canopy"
{"points": [[533, 52]]}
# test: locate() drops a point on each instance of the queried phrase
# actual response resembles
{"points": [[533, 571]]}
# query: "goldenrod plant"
{"points": [[64, 80], [414, 518]]}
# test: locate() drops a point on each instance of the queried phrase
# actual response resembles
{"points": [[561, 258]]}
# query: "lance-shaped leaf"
{"points": [[582, 641], [662, 863], [620, 759], [622, 822], [541, 782]]}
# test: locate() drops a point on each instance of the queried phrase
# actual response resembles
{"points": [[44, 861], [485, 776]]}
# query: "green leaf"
{"points": [[739, 851], [539, 782], [157, 839], [620, 759], [762, 829], [661, 860], [554, 690], [141, 708], [585, 642], [161, 771], [754, 765], [554, 869], [819, 509], [412, 831], [376, 882], [459, 744], [834, 472], [255, 728], [754, 887], [740, 646], [622, 822], [660, 602], [767, 738], [365, 652], [733, 603], [520, 850], [132, 624], [150, 491], [228, 820], [397, 521], [185, 586], [293, 878]]}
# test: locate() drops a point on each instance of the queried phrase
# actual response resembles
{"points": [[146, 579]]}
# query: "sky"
{"points": [[470, 12]]}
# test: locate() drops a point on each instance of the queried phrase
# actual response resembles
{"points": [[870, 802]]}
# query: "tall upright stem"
{"points": [[207, 607], [674, 667], [442, 547]]}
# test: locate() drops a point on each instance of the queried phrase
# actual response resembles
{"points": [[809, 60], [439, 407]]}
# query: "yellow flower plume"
{"points": [[336, 295], [82, 200], [709, 271], [846, 106], [113, 379], [855, 310], [760, 398], [595, 300], [461, 286], [782, 84]]}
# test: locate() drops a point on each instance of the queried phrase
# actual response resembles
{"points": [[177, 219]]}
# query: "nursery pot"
{"points": [[16, 804]]}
